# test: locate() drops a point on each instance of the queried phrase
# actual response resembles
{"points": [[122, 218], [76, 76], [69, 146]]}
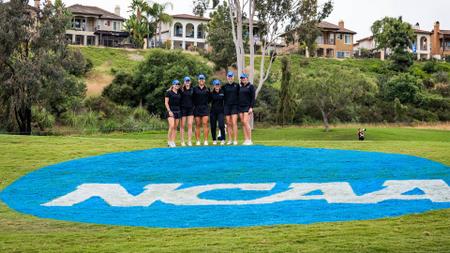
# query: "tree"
{"points": [[272, 14], [138, 25], [334, 89], [159, 16], [200, 6], [220, 38], [37, 66], [288, 96], [147, 85], [304, 23], [398, 36]]}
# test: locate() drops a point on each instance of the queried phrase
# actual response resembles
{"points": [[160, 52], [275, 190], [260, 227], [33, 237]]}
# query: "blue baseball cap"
{"points": [[175, 82], [201, 77], [216, 82], [187, 79], [243, 75], [230, 74]]}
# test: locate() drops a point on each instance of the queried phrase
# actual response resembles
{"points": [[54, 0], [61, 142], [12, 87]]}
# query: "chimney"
{"points": [[117, 10], [437, 27], [341, 24], [417, 26], [435, 41], [37, 4]]}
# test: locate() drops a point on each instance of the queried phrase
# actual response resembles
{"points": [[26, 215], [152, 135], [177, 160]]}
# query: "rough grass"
{"points": [[427, 232]]}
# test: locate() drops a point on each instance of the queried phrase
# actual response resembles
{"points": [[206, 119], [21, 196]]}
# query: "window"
{"points": [[343, 54], [190, 31], [79, 40], [331, 39], [200, 32], [423, 44], [91, 40], [178, 30], [69, 38], [339, 36], [114, 26], [319, 40], [78, 23], [108, 23], [448, 45], [348, 39]]}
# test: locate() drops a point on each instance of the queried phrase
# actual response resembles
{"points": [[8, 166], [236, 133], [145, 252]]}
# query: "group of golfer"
{"points": [[184, 103]]}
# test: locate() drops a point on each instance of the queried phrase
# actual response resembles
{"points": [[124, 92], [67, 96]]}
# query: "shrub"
{"points": [[152, 78], [42, 119], [405, 87], [430, 67]]}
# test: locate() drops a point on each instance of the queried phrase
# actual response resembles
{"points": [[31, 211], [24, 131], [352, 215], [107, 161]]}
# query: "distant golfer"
{"points": [[231, 108], [187, 110], [246, 104], [217, 115], [201, 109], [173, 107], [361, 134]]}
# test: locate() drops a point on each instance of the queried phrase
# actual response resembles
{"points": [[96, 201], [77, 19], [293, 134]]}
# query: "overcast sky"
{"points": [[357, 14]]}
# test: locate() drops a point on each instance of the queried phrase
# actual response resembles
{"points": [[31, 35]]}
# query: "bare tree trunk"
{"points": [[251, 11], [236, 14], [325, 120]]}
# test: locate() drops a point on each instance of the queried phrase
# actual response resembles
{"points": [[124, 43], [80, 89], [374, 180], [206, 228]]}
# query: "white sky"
{"points": [[358, 15]]}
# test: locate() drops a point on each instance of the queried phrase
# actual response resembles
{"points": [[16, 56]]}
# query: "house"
{"points": [[427, 45], [440, 42], [335, 41], [422, 45], [186, 32], [93, 26]]}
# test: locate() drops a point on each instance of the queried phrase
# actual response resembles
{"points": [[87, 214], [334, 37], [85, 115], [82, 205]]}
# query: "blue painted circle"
{"points": [[364, 171]]}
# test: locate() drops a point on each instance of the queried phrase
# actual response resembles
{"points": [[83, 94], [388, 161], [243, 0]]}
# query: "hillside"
{"points": [[108, 60]]}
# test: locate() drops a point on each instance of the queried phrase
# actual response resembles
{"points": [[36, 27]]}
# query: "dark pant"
{"points": [[215, 117]]}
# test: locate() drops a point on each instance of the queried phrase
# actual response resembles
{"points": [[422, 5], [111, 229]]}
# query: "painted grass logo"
{"points": [[232, 186]]}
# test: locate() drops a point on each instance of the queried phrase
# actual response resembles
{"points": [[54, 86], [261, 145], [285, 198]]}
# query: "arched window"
{"points": [[178, 28], [201, 31], [189, 31], [423, 43]]}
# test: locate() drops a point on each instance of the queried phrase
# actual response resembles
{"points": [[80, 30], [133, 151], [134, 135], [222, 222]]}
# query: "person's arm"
{"points": [[166, 103], [252, 99]]}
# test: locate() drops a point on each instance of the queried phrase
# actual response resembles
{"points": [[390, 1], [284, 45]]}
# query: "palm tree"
{"points": [[159, 16], [137, 25]]}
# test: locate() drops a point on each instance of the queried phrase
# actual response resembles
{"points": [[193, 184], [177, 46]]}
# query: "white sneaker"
{"points": [[197, 143], [222, 143], [214, 142], [229, 142], [235, 143], [205, 143], [171, 144], [247, 143], [183, 144], [189, 144]]}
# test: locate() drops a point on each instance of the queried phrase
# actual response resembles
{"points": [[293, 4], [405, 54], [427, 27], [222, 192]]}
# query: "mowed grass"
{"points": [[427, 232]]}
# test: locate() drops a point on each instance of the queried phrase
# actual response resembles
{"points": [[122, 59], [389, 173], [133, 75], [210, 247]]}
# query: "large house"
{"points": [[186, 32], [427, 45], [92, 26], [335, 41]]}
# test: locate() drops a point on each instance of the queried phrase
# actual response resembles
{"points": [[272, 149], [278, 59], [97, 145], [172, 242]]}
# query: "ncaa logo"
{"points": [[232, 186]]}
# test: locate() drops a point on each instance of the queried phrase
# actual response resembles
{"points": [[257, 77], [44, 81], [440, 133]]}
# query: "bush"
{"points": [[430, 67], [42, 119], [152, 78], [405, 87]]}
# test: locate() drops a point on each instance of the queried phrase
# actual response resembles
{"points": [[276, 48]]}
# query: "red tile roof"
{"points": [[188, 16], [330, 26], [93, 10], [421, 31]]}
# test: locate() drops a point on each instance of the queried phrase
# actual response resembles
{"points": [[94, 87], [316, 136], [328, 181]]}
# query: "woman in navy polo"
{"points": [[217, 113], [200, 98], [246, 104], [172, 102], [231, 91], [187, 110]]}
